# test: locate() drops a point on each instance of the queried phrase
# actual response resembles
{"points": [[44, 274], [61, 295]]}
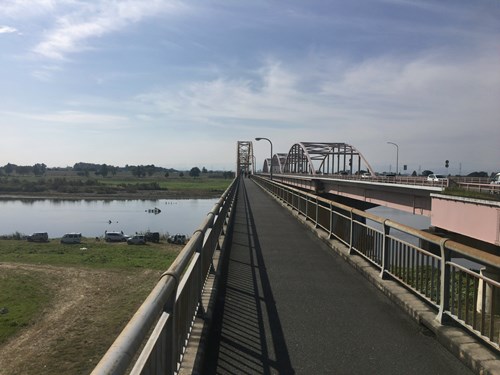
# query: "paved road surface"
{"points": [[290, 305]]}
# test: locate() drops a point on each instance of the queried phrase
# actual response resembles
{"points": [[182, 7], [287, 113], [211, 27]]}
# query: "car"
{"points": [[178, 239], [366, 175], [496, 179], [137, 240], [38, 237], [152, 237], [71, 238], [436, 177], [115, 237]]}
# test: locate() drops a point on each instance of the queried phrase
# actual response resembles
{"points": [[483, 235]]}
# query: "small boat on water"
{"points": [[155, 210]]}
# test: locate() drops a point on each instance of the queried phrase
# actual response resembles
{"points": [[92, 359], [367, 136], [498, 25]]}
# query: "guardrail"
{"points": [[425, 263], [481, 188], [391, 179], [168, 312]]}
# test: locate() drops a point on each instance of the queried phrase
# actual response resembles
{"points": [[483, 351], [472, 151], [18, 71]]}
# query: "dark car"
{"points": [[137, 240], [152, 237], [38, 237]]}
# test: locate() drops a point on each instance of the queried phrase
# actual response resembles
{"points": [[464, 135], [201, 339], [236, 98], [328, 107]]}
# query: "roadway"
{"points": [[288, 304]]}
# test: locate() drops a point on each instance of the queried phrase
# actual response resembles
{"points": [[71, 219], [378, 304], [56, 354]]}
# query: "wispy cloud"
{"points": [[28, 8], [85, 21], [7, 30], [67, 119], [423, 100]]}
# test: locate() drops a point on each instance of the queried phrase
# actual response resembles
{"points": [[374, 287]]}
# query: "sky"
{"points": [[178, 83]]}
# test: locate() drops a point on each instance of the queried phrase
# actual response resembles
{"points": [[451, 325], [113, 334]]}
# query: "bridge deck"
{"points": [[288, 304]]}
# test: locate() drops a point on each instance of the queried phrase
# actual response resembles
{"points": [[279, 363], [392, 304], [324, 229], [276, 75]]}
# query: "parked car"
{"points": [[71, 238], [152, 237], [137, 240], [436, 177], [496, 179], [38, 237], [178, 239], [115, 237]]}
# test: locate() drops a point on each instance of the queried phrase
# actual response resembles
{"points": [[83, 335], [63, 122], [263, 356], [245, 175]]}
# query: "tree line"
{"points": [[87, 169]]}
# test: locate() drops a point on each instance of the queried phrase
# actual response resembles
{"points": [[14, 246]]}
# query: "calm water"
{"points": [[93, 217], [415, 221]]}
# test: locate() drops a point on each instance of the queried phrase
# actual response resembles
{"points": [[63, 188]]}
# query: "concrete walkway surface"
{"points": [[288, 304]]}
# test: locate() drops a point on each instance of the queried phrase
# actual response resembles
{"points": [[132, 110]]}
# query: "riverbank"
{"points": [[71, 186], [144, 195]]}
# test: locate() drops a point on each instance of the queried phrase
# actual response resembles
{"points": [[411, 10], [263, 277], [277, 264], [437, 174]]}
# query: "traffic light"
{"points": [[447, 163]]}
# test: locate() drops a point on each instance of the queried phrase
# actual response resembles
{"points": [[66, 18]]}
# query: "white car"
{"points": [[436, 177], [115, 237], [71, 238]]}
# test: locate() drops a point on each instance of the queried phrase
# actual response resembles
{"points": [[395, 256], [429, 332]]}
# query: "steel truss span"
{"points": [[245, 158], [324, 158]]}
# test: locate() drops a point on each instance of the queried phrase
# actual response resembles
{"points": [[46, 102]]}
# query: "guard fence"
{"points": [[433, 267], [154, 340]]}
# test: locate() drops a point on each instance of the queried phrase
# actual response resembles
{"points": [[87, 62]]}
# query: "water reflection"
{"points": [[93, 217]]}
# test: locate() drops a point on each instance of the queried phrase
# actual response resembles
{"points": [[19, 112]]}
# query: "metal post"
{"points": [[397, 156], [444, 293], [271, 143], [385, 250]]}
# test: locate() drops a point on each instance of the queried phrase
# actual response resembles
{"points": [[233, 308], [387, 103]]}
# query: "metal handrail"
{"points": [[187, 272], [427, 269]]}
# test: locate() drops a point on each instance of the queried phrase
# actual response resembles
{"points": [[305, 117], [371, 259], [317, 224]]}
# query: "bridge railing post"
{"points": [[386, 247], [351, 232], [317, 213], [445, 279]]}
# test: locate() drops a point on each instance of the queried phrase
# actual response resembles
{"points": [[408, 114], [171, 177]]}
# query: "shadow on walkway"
{"points": [[246, 336]]}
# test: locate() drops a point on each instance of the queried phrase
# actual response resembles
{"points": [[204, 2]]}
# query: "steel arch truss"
{"points": [[278, 164], [325, 158], [267, 165], [245, 158]]}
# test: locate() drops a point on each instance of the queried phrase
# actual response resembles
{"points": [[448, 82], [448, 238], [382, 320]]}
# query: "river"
{"points": [[92, 217]]}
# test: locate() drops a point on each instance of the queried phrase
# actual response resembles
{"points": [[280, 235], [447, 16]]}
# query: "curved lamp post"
{"points": [[271, 143], [397, 156]]}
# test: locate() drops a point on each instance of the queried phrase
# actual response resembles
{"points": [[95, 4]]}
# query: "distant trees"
{"points": [[88, 170], [39, 169], [195, 172], [478, 174]]}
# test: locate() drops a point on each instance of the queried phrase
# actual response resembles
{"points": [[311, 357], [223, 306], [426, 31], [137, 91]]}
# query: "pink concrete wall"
{"points": [[474, 218]]}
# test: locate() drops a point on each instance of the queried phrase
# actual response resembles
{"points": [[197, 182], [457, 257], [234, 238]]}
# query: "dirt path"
{"points": [[71, 334]]}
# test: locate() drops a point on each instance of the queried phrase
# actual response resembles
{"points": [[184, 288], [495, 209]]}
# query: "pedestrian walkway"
{"points": [[289, 305]]}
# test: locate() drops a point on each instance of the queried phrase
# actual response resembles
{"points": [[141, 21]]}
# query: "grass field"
{"points": [[61, 306], [90, 253], [68, 184]]}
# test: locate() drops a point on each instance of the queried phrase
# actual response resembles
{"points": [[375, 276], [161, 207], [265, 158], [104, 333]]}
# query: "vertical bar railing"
{"points": [[168, 312], [428, 269]]}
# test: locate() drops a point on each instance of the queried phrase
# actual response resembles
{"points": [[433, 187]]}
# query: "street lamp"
{"points": [[397, 156], [271, 143]]}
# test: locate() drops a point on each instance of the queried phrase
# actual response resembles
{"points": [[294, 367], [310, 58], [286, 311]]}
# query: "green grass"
{"points": [[173, 183], [90, 253], [454, 191], [125, 275], [22, 296], [70, 183]]}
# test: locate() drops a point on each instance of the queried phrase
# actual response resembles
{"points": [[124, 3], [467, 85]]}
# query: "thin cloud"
{"points": [[73, 118], [7, 30], [88, 21]]}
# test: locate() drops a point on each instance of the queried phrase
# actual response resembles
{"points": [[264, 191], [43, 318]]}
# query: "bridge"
{"points": [[279, 279]]}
